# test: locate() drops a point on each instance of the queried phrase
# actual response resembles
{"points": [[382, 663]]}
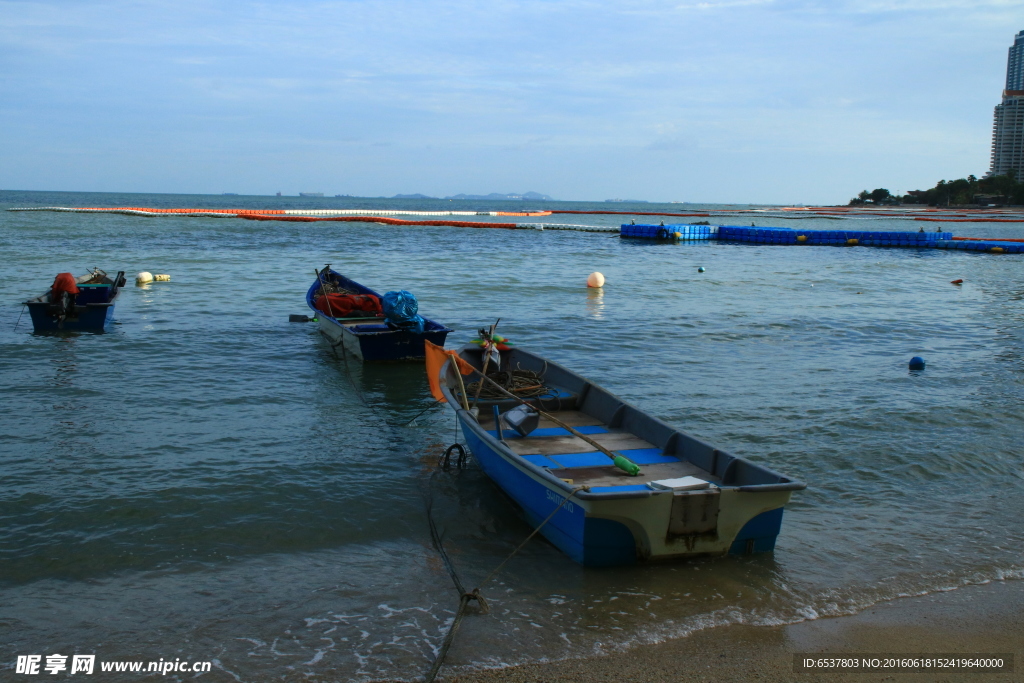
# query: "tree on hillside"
{"points": [[965, 190]]}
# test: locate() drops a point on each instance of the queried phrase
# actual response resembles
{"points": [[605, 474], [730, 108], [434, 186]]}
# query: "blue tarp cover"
{"points": [[401, 310]]}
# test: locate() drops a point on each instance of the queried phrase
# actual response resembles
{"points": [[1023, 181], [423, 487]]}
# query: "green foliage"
{"points": [[1002, 189], [877, 196]]}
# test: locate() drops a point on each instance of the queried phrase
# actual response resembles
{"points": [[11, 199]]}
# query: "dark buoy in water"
{"points": [[700, 269], [298, 318], [917, 363]]}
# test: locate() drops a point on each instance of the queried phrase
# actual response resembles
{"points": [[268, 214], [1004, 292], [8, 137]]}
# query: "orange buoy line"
{"points": [[971, 220], [148, 211], [381, 219], [234, 212], [628, 213], [989, 239]]}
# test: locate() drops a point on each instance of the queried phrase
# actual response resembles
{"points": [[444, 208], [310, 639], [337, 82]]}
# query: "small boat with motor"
{"points": [[82, 304], [619, 485], [373, 327]]}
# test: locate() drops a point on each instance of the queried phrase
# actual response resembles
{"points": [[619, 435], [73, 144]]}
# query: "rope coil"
{"points": [[522, 383]]}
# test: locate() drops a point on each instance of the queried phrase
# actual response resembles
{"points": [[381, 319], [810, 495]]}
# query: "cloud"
{"points": [[577, 84]]}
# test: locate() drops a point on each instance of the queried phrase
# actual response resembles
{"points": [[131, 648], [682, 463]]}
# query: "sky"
{"points": [[746, 101]]}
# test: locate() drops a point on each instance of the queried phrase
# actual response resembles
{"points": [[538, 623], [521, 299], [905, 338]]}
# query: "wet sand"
{"points": [[975, 619]]}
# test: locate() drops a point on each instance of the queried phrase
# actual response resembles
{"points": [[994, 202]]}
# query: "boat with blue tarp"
{"points": [[77, 304], [371, 326], [618, 485]]}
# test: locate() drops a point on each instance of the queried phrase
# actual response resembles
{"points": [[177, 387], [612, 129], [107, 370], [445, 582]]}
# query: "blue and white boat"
{"points": [[689, 499], [90, 310], [367, 336]]}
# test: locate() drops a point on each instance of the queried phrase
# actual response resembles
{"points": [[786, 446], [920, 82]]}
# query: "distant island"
{"points": [[528, 196], [998, 190]]}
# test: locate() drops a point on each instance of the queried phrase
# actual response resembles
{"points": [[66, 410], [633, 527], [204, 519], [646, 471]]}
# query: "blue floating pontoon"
{"points": [[371, 338], [689, 498]]}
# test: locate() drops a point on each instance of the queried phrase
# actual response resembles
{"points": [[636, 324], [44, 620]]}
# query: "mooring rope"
{"points": [[466, 596]]}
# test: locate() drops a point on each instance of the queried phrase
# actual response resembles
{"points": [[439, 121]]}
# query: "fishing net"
{"points": [[522, 383]]}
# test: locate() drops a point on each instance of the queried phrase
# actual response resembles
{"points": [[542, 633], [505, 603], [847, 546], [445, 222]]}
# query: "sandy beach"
{"points": [[975, 619]]}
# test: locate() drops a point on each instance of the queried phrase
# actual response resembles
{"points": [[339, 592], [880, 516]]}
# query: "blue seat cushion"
{"points": [[592, 459], [510, 433], [648, 456], [541, 461], [619, 489]]}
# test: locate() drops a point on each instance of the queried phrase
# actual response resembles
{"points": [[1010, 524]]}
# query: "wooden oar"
{"points": [[621, 461]]}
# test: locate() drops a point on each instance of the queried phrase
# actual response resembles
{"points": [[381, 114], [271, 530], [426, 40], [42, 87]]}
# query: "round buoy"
{"points": [[700, 269], [143, 278], [595, 279], [801, 238], [677, 235], [852, 242], [997, 250], [917, 363], [162, 277]]}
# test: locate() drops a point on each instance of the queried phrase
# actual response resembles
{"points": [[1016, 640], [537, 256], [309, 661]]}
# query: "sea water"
{"points": [[209, 482]]}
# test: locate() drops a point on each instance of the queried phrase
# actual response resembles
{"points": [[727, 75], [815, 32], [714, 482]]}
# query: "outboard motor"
{"points": [[119, 282], [62, 297]]}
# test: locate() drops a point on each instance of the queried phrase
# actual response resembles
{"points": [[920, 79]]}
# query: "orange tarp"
{"points": [[64, 282], [436, 356]]}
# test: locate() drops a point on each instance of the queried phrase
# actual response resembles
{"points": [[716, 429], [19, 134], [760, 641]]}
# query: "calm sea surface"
{"points": [[207, 481]]}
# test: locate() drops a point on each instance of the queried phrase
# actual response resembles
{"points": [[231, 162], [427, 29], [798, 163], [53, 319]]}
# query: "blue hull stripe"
{"points": [[759, 534]]}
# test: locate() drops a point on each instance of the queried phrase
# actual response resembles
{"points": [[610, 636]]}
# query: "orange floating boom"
{"points": [[381, 219]]}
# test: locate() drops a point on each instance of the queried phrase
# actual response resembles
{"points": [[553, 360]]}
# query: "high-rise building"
{"points": [[1008, 125], [1015, 64]]}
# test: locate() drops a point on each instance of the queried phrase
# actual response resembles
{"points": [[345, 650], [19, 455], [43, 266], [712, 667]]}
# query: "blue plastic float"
{"points": [[838, 238]]}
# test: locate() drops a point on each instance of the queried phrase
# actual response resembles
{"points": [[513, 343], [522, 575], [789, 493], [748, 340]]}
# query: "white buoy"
{"points": [[595, 279], [143, 278], [162, 277]]}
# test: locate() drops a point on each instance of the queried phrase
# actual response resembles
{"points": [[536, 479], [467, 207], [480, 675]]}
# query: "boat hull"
{"points": [[611, 519], [382, 345], [94, 318], [622, 531], [370, 339], [93, 305]]}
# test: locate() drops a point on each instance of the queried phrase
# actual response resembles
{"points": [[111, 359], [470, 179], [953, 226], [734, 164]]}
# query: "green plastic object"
{"points": [[626, 465]]}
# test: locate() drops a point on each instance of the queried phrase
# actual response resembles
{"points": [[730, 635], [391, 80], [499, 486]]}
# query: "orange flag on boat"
{"points": [[436, 356]]}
